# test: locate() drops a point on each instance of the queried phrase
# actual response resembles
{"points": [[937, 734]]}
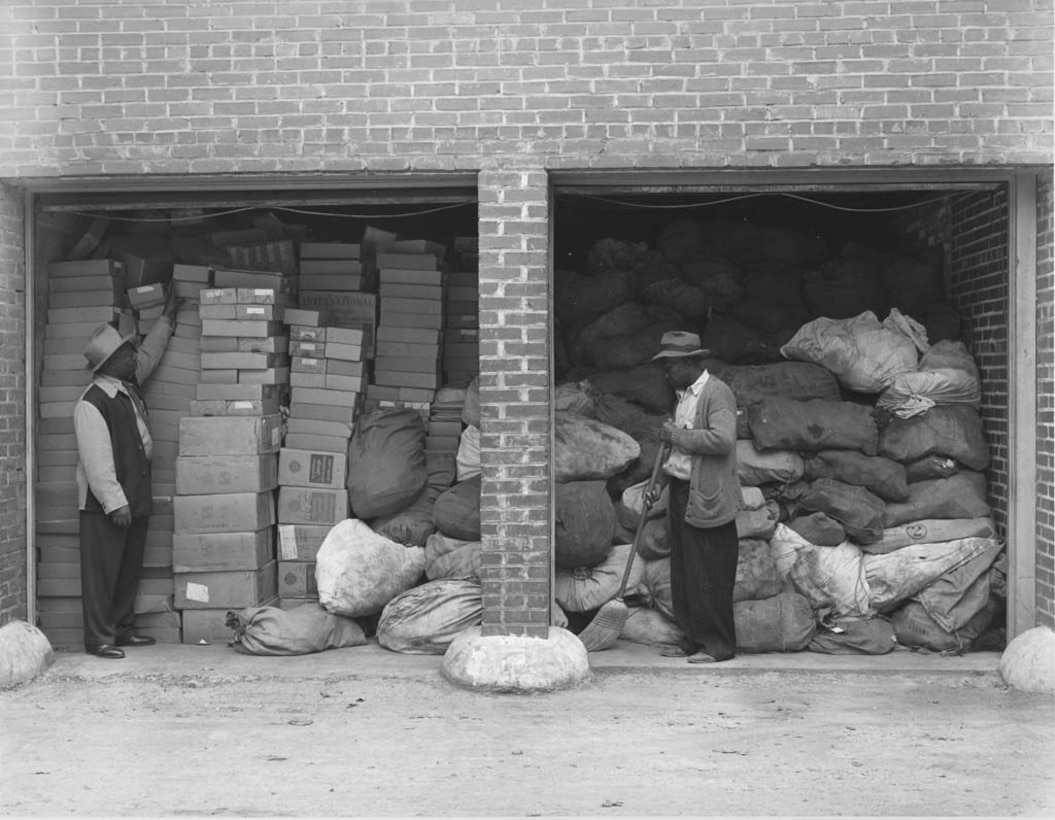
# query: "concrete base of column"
{"points": [[25, 652], [1028, 663], [506, 663]]}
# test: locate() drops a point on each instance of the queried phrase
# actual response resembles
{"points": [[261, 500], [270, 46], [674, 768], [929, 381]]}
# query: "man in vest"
{"points": [[113, 480], [704, 500]]}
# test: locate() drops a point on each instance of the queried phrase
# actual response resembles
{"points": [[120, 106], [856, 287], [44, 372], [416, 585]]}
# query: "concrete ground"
{"points": [[204, 731]]}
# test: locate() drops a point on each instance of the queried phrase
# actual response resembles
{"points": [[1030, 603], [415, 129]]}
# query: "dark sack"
{"points": [[800, 381], [424, 620], [953, 430], [451, 557], [860, 511], [413, 525], [456, 512], [958, 496], [786, 424], [587, 449], [269, 630], [645, 385], [756, 571], [386, 462], [585, 523], [914, 627], [865, 636], [883, 476], [931, 467], [783, 623], [819, 528]]}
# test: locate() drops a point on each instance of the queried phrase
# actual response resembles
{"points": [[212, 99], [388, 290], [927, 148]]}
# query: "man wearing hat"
{"points": [[704, 500], [113, 480]]}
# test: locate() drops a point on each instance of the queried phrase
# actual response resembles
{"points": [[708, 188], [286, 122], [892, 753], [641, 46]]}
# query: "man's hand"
{"points": [[122, 516], [666, 432]]}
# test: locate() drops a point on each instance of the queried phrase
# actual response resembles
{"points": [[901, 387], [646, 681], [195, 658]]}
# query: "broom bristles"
{"points": [[603, 631]]}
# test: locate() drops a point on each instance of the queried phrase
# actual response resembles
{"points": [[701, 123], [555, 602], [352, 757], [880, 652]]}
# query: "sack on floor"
{"points": [[424, 620], [756, 571], [912, 394], [863, 354], [785, 424], [897, 576], [456, 512], [649, 627], [782, 623], [931, 531], [587, 449], [915, 628], [447, 557], [962, 495], [959, 594], [882, 476], [954, 431], [585, 521], [585, 588], [270, 630], [468, 456], [831, 578], [358, 571], [654, 587], [859, 511], [413, 525], [859, 636], [755, 467], [819, 528], [386, 462]]}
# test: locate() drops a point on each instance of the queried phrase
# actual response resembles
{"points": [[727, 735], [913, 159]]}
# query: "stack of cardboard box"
{"points": [[326, 387], [82, 295], [461, 343]]}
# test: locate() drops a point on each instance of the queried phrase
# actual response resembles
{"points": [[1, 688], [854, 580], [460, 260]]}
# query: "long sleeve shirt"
{"points": [[96, 468]]}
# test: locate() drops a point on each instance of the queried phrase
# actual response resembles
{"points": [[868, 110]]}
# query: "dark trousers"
{"points": [[111, 563], [702, 577]]}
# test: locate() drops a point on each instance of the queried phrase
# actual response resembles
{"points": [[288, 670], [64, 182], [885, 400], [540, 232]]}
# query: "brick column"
{"points": [[515, 402]]}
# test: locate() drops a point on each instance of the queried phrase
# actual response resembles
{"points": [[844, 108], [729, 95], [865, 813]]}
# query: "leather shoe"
{"points": [[135, 640], [106, 650]]}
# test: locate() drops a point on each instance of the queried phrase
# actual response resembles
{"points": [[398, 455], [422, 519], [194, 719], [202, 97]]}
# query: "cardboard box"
{"points": [[322, 412], [240, 328], [85, 267], [193, 552], [307, 379], [234, 407], [399, 276], [267, 344], [230, 436], [301, 542], [296, 579], [333, 266], [201, 274], [307, 364], [269, 313], [306, 349], [417, 321], [226, 588], [395, 378], [405, 261], [218, 312], [340, 367], [262, 296], [201, 475], [254, 279], [217, 377], [306, 333], [272, 375], [309, 505], [329, 250], [240, 361], [335, 429], [82, 298], [236, 512], [343, 352], [398, 290], [353, 384], [304, 318], [217, 296], [303, 468], [236, 392], [334, 398], [313, 442], [432, 307], [80, 315], [386, 348], [332, 282], [406, 364]]}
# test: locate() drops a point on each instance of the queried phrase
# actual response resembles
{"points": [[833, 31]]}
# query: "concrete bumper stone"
{"points": [[505, 663], [1028, 662], [25, 652]]}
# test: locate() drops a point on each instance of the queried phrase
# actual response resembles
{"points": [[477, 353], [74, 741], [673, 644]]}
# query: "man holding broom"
{"points": [[704, 500]]}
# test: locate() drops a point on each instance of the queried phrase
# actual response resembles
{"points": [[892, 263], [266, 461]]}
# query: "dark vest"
{"points": [[130, 458]]}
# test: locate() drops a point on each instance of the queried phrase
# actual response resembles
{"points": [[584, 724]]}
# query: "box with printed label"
{"points": [[197, 552], [200, 475], [301, 468], [296, 579], [234, 512], [301, 542], [309, 505], [230, 588], [217, 436]]}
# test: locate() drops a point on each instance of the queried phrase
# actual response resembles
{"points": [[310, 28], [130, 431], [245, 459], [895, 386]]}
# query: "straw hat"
{"points": [[103, 344], [679, 343]]}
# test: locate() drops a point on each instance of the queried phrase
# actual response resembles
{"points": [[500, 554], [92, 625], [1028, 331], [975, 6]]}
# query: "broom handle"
{"points": [[645, 507]]}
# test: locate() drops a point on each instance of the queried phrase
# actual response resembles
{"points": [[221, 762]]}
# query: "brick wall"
{"points": [[1045, 403], [125, 87], [977, 285], [12, 409]]}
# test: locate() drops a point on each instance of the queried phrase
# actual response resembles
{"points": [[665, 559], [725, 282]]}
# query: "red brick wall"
{"points": [[12, 409], [1045, 403]]}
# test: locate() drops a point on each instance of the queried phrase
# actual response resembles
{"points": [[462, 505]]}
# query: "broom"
{"points": [[603, 631]]}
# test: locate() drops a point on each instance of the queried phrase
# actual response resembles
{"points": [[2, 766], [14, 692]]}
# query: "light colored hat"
{"points": [[103, 344], [678, 343]]}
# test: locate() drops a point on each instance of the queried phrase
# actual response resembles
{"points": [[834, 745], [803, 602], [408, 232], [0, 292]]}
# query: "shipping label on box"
{"points": [[307, 364], [218, 296], [261, 296], [306, 505], [304, 333], [195, 552], [230, 436], [296, 579], [236, 512], [201, 475], [301, 468], [270, 313], [301, 542], [307, 349]]}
